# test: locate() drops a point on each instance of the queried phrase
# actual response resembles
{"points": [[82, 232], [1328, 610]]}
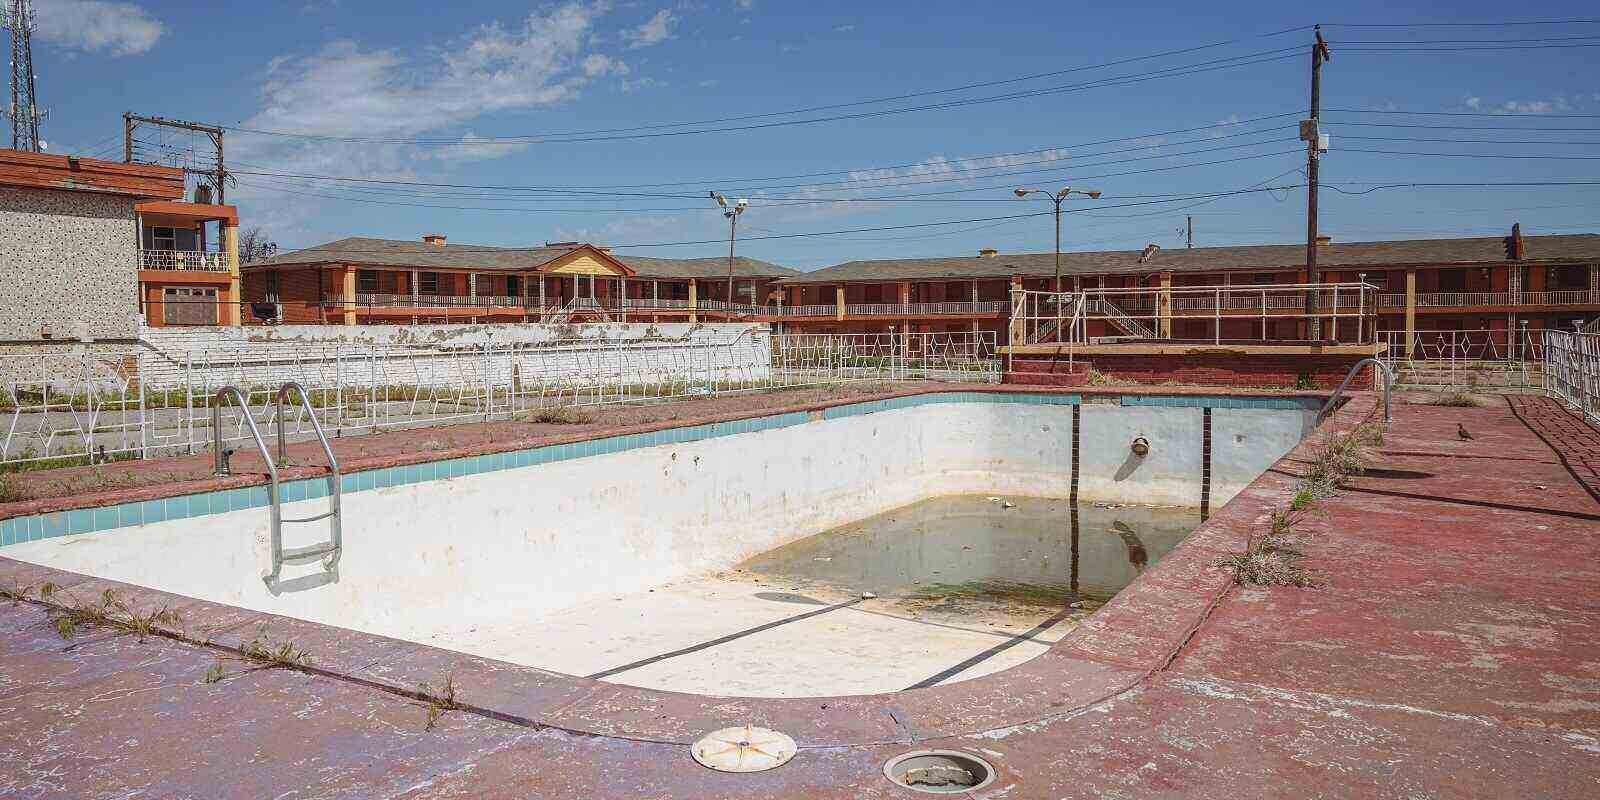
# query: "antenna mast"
{"points": [[16, 16]]}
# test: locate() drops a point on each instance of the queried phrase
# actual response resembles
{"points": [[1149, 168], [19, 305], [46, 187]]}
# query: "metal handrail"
{"points": [[261, 445], [1388, 384], [336, 540]]}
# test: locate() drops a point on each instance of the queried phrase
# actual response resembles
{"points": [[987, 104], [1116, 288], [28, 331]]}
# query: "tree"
{"points": [[255, 246]]}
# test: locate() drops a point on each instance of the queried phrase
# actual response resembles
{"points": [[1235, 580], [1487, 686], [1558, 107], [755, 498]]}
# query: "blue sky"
{"points": [[378, 76]]}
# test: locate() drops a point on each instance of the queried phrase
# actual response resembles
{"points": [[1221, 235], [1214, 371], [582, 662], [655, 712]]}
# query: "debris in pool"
{"points": [[823, 558], [868, 596]]}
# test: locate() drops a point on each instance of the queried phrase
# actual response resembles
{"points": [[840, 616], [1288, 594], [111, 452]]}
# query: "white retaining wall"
{"points": [[359, 356], [520, 543]]}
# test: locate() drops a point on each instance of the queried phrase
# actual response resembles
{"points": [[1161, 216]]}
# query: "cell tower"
{"points": [[16, 16]]}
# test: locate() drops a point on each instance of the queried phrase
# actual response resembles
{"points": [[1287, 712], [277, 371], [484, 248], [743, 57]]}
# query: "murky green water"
{"points": [[1019, 549]]}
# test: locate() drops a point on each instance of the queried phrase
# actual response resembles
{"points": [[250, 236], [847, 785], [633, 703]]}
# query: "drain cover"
{"points": [[743, 749], [939, 771]]}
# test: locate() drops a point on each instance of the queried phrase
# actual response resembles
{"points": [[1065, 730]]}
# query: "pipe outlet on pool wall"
{"points": [[1140, 446]]}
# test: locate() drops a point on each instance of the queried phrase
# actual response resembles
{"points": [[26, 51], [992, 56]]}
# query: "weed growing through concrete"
{"points": [[1341, 457], [285, 654], [440, 702], [1098, 378], [1457, 399], [216, 672], [10, 490], [1270, 560], [110, 612]]}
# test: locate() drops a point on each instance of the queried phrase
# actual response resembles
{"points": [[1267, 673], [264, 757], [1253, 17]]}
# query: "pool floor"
{"points": [[963, 586]]}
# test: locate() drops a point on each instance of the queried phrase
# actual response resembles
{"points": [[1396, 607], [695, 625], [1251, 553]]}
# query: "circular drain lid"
{"points": [[743, 749]]}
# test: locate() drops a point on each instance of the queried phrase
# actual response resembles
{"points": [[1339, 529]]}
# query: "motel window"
{"points": [[367, 280], [428, 282], [1265, 277], [513, 286], [271, 279]]}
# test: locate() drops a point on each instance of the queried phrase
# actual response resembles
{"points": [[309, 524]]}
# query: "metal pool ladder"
{"points": [[328, 551]]}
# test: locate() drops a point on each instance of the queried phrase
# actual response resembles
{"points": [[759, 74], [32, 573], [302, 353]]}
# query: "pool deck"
{"points": [[1452, 650]]}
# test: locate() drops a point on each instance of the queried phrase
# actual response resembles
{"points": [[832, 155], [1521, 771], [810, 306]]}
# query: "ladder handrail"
{"points": [[1388, 384], [335, 518], [261, 445]]}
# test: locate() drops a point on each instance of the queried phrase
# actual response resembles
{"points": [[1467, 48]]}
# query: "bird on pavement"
{"points": [[1461, 432]]}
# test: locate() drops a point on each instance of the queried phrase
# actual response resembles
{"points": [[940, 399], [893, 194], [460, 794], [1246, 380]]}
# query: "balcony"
{"points": [[202, 260], [1564, 297], [895, 309]]}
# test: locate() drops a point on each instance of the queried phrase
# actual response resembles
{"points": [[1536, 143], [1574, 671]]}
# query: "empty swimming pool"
{"points": [[731, 558]]}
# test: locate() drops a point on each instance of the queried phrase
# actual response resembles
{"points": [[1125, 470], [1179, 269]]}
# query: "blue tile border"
{"points": [[86, 520], [1223, 401]]}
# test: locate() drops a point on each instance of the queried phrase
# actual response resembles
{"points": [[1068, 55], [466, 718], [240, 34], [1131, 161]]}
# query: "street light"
{"points": [[1056, 198], [733, 224]]}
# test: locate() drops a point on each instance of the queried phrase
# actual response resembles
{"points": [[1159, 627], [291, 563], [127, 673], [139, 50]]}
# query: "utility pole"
{"points": [[1314, 146], [218, 176], [1189, 236], [732, 213], [17, 17]]}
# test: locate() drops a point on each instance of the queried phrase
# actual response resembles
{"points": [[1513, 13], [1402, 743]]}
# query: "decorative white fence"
{"points": [[1572, 371], [82, 407]]}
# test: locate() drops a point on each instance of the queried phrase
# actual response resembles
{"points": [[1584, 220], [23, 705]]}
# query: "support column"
{"points": [[472, 288], [230, 245], [1411, 312], [838, 302], [694, 302], [1164, 307], [542, 306], [415, 292], [349, 295], [1017, 334]]}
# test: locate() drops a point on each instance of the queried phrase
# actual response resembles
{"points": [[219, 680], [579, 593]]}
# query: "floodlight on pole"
{"points": [[1056, 198], [732, 215]]}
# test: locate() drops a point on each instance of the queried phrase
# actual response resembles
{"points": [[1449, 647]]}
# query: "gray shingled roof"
{"points": [[421, 255], [1565, 248]]}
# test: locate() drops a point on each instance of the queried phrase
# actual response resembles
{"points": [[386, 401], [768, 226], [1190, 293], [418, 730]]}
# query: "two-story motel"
{"points": [[1509, 283]]}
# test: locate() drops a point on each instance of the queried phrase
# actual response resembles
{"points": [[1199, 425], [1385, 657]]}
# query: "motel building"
{"points": [[1428, 285], [377, 281]]}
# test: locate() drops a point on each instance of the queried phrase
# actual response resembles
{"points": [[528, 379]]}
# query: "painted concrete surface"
{"points": [[494, 550], [1493, 539]]}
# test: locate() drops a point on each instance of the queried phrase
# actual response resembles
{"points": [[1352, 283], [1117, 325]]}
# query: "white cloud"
{"points": [[654, 31], [1474, 103], [92, 26], [744, 5], [1535, 106], [347, 89]]}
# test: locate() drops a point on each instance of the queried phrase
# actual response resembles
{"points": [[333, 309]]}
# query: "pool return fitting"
{"points": [[1140, 446]]}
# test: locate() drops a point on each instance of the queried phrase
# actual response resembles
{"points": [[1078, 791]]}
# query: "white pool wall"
{"points": [[520, 543]]}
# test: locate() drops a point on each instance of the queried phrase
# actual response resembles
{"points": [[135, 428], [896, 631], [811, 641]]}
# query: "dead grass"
{"points": [[1457, 399], [1098, 378], [262, 651], [1341, 457], [11, 491], [559, 415]]}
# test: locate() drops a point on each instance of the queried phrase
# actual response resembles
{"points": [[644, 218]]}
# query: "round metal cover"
{"points": [[745, 748]]}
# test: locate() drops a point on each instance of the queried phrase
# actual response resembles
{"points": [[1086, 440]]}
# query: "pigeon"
{"points": [[1461, 432]]}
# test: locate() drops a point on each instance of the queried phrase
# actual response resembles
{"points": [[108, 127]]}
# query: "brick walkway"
{"points": [[1453, 650]]}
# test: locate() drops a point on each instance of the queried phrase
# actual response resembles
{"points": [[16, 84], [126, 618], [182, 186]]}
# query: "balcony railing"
{"points": [[203, 260], [895, 309], [1564, 297]]}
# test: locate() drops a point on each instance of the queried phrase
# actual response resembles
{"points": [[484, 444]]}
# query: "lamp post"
{"points": [[732, 214], [1055, 199]]}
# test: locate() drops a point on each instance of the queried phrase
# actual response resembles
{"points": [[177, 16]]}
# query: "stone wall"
{"points": [[68, 259]]}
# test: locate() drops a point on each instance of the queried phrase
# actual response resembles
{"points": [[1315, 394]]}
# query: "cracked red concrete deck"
{"points": [[1453, 650]]}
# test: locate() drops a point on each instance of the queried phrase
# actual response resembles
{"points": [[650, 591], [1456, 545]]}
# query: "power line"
{"points": [[1230, 62], [1459, 24], [1472, 155]]}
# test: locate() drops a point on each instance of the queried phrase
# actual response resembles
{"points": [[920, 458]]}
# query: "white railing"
{"points": [[1563, 297], [1342, 312], [203, 260], [1486, 359], [65, 408], [814, 310], [1572, 371]]}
